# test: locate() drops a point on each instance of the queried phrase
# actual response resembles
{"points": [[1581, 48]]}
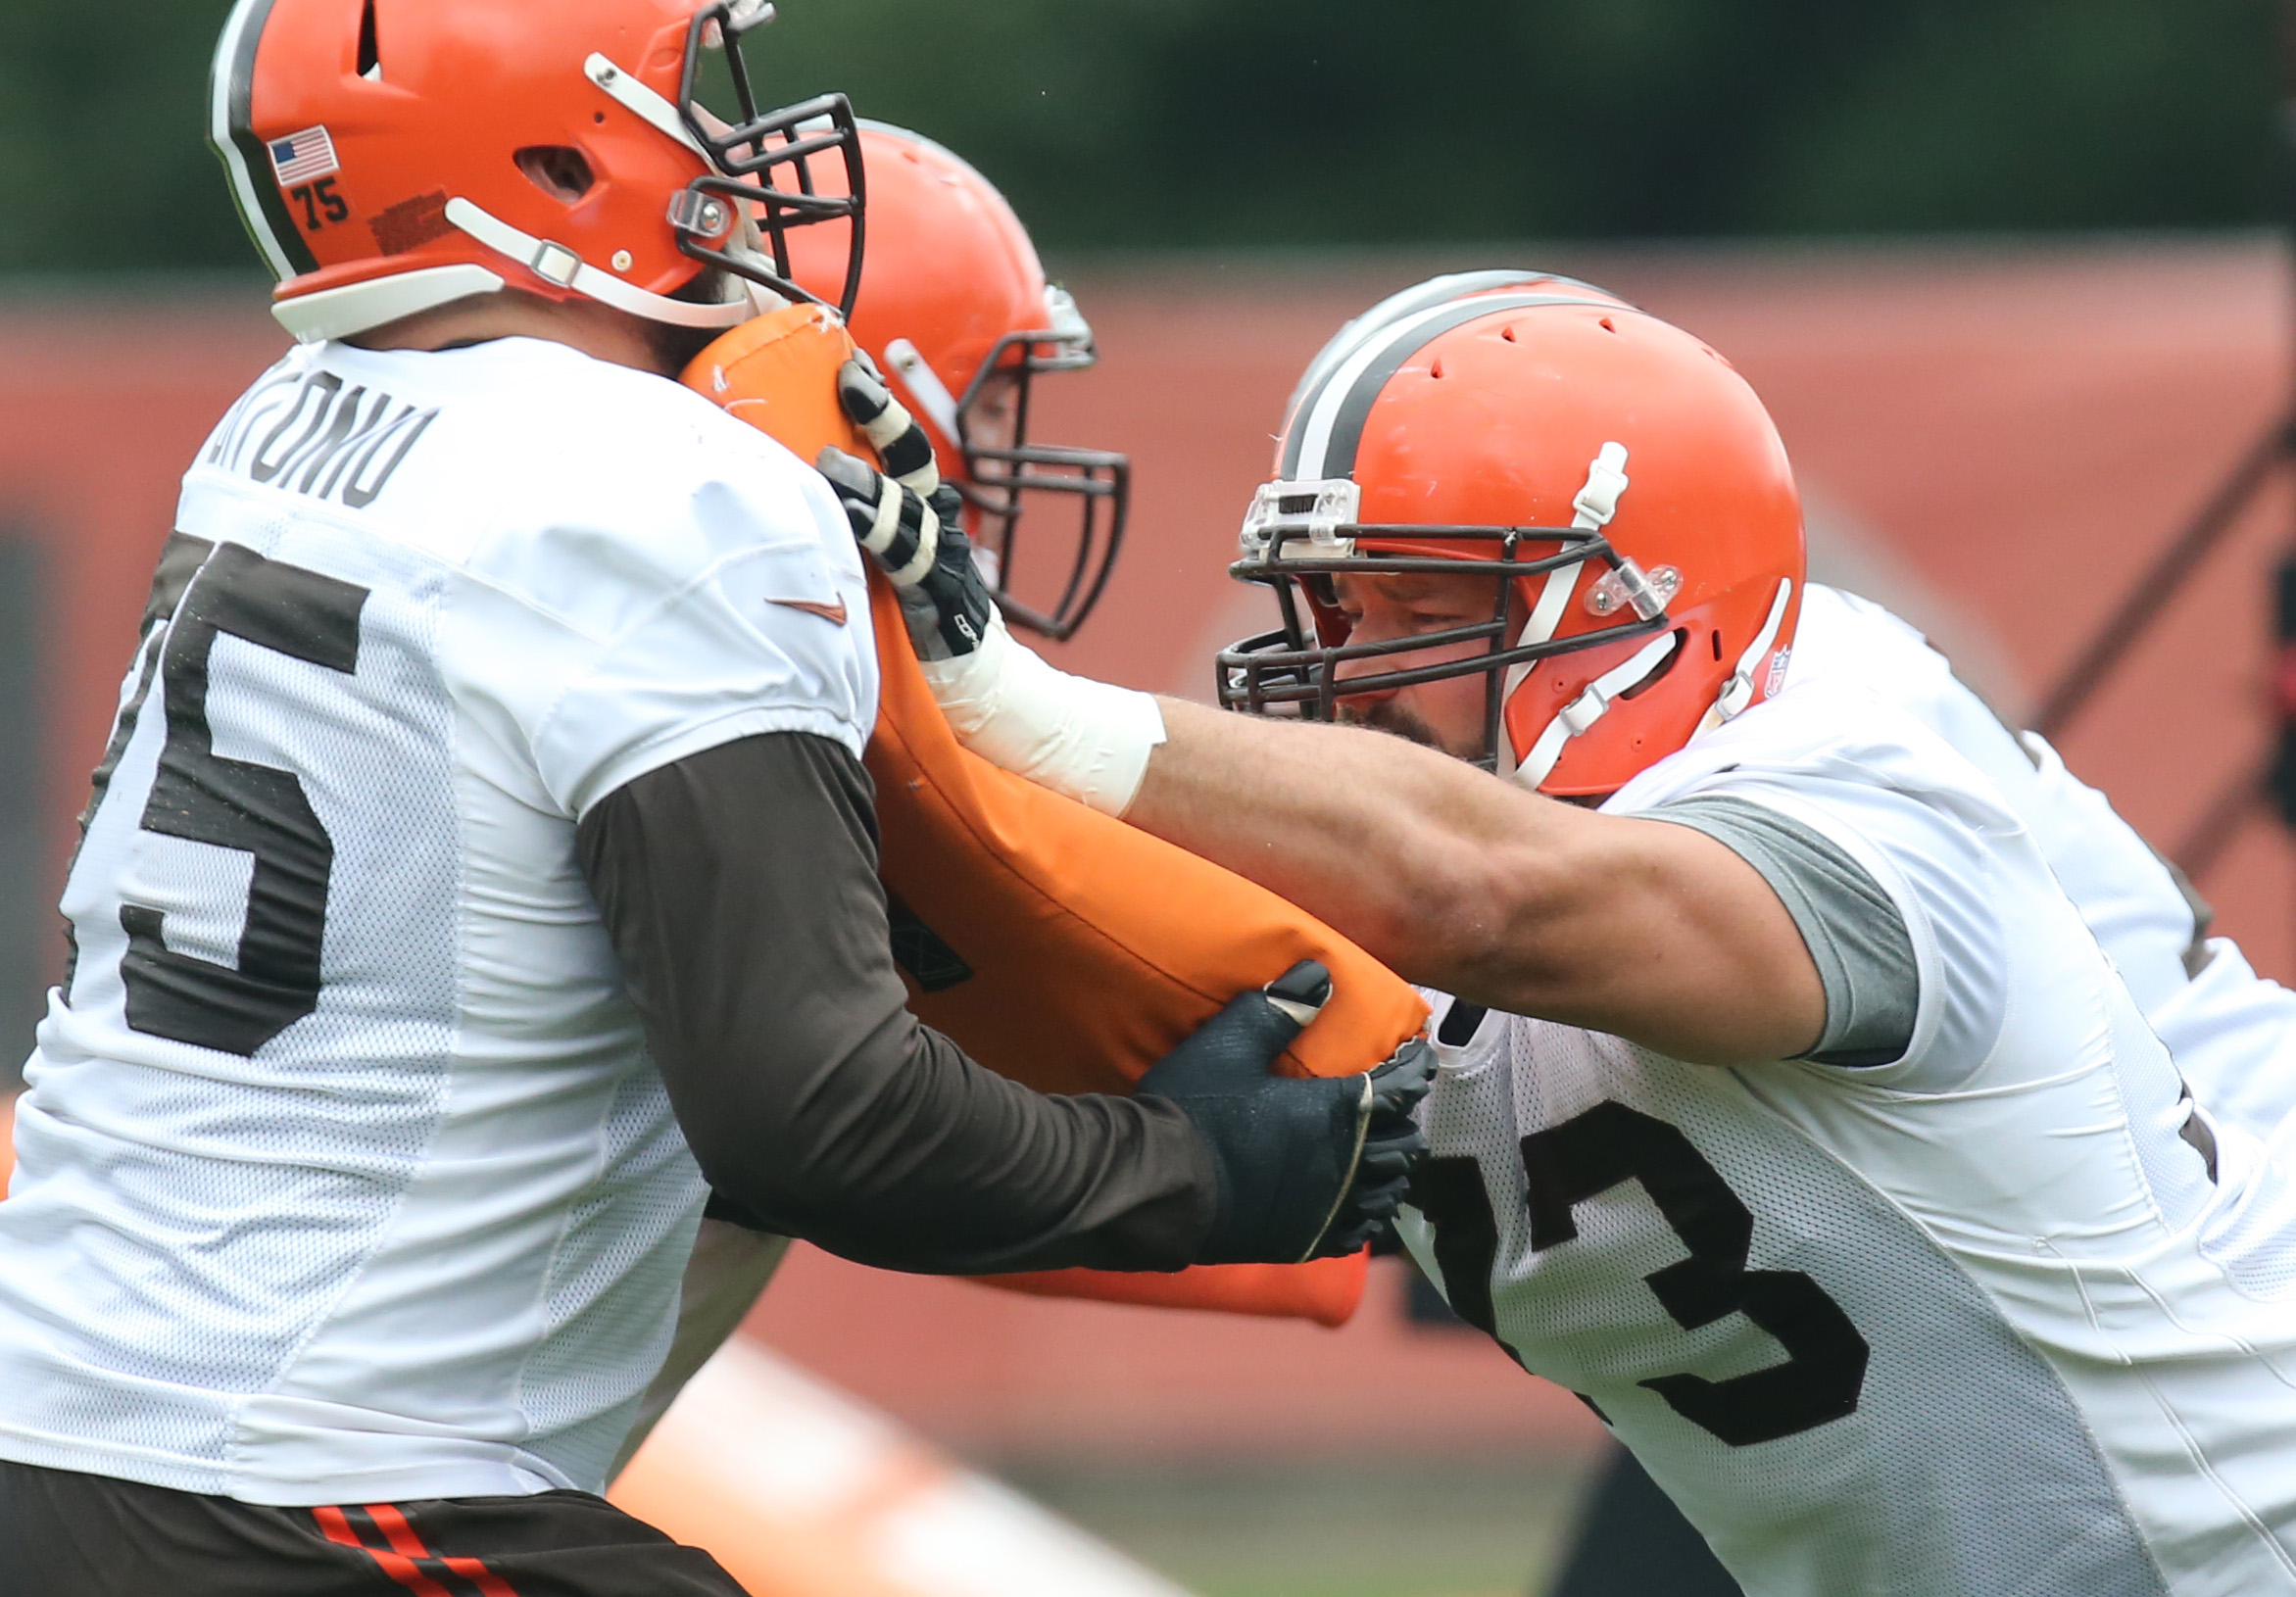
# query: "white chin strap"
{"points": [[1591, 511], [1738, 691], [337, 313], [1582, 713], [906, 362], [556, 263]]}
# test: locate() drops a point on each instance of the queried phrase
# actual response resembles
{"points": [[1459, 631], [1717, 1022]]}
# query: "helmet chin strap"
{"points": [[1582, 713], [338, 312], [1591, 511], [924, 384], [1738, 691], [556, 263]]}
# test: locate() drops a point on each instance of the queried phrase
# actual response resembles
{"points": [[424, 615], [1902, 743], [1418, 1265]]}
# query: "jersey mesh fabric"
{"points": [[624, 1251], [423, 1239], [1965, 1467], [196, 1162]]}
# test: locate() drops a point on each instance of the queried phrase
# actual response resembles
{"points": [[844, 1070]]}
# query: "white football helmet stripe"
{"points": [[234, 58]]}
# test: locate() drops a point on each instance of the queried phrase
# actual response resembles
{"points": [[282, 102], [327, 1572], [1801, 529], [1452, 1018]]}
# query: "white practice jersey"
{"points": [[2231, 1032], [1976, 1321], [344, 1175]]}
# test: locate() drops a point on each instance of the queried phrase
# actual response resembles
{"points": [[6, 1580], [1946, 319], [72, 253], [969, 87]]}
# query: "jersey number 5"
{"points": [[203, 797], [1609, 1144]]}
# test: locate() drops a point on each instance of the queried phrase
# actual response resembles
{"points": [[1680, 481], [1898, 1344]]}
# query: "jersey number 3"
{"points": [[203, 797], [1588, 1155]]}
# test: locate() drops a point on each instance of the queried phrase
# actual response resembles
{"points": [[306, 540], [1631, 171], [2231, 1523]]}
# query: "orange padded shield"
{"points": [[1094, 948], [1059, 947], [1327, 1291], [778, 372]]}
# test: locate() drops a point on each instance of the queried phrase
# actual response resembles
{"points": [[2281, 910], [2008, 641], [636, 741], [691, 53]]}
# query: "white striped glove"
{"points": [[909, 520], [1085, 738]]}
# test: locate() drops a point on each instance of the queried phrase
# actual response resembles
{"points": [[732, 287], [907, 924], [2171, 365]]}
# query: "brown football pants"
{"points": [[65, 1534]]}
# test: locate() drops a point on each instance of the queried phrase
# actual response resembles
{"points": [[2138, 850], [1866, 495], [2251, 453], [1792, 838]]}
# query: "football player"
{"points": [[1790, 1113], [956, 308], [954, 305], [2231, 1032], [482, 868]]}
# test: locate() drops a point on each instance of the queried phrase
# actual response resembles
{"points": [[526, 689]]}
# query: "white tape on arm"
{"points": [[1090, 741]]}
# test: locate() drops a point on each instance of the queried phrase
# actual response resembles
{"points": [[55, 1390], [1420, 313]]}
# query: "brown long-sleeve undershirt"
{"points": [[739, 887]]}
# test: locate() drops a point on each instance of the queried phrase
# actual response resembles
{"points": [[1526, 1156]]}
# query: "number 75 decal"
{"points": [[322, 205]]}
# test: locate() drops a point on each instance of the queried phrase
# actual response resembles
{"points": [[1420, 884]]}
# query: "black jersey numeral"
{"points": [[258, 810], [1451, 1193], [1824, 1369], [1608, 1145]]}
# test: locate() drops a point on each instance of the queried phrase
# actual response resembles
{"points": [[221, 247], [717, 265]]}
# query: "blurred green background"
{"points": [[1125, 123]]}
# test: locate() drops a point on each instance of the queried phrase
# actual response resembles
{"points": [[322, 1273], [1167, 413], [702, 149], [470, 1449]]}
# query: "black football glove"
{"points": [[1307, 1169], [910, 521]]}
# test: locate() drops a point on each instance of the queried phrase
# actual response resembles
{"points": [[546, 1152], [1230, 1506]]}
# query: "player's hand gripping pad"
{"points": [[1058, 946]]}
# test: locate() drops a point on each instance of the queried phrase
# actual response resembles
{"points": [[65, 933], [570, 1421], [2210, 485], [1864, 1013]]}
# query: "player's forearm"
{"points": [[1450, 877], [1456, 879], [915, 1158], [1496, 894], [739, 888], [1396, 845]]}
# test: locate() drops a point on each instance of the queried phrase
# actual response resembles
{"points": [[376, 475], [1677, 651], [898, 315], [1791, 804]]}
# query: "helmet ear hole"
{"points": [[1659, 671], [559, 170], [1715, 638], [369, 52]]}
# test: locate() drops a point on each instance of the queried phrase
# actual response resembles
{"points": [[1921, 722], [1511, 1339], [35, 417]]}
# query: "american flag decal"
{"points": [[300, 157]]}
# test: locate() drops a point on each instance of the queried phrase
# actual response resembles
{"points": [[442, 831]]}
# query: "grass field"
{"points": [[1401, 1529]]}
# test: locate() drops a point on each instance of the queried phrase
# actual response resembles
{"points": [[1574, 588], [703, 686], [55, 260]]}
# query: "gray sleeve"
{"points": [[1855, 935]]}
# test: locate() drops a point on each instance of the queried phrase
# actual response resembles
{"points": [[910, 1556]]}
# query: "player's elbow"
{"points": [[1397, 899], [1461, 911], [1510, 932]]}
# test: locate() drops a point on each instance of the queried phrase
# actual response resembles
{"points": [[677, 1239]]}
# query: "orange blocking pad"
{"points": [[1327, 1291], [1068, 950], [1092, 949], [1057, 945], [778, 372]]}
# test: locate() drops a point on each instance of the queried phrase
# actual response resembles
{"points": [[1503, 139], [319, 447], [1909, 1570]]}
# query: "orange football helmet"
{"points": [[388, 156], [955, 307], [1617, 471]]}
